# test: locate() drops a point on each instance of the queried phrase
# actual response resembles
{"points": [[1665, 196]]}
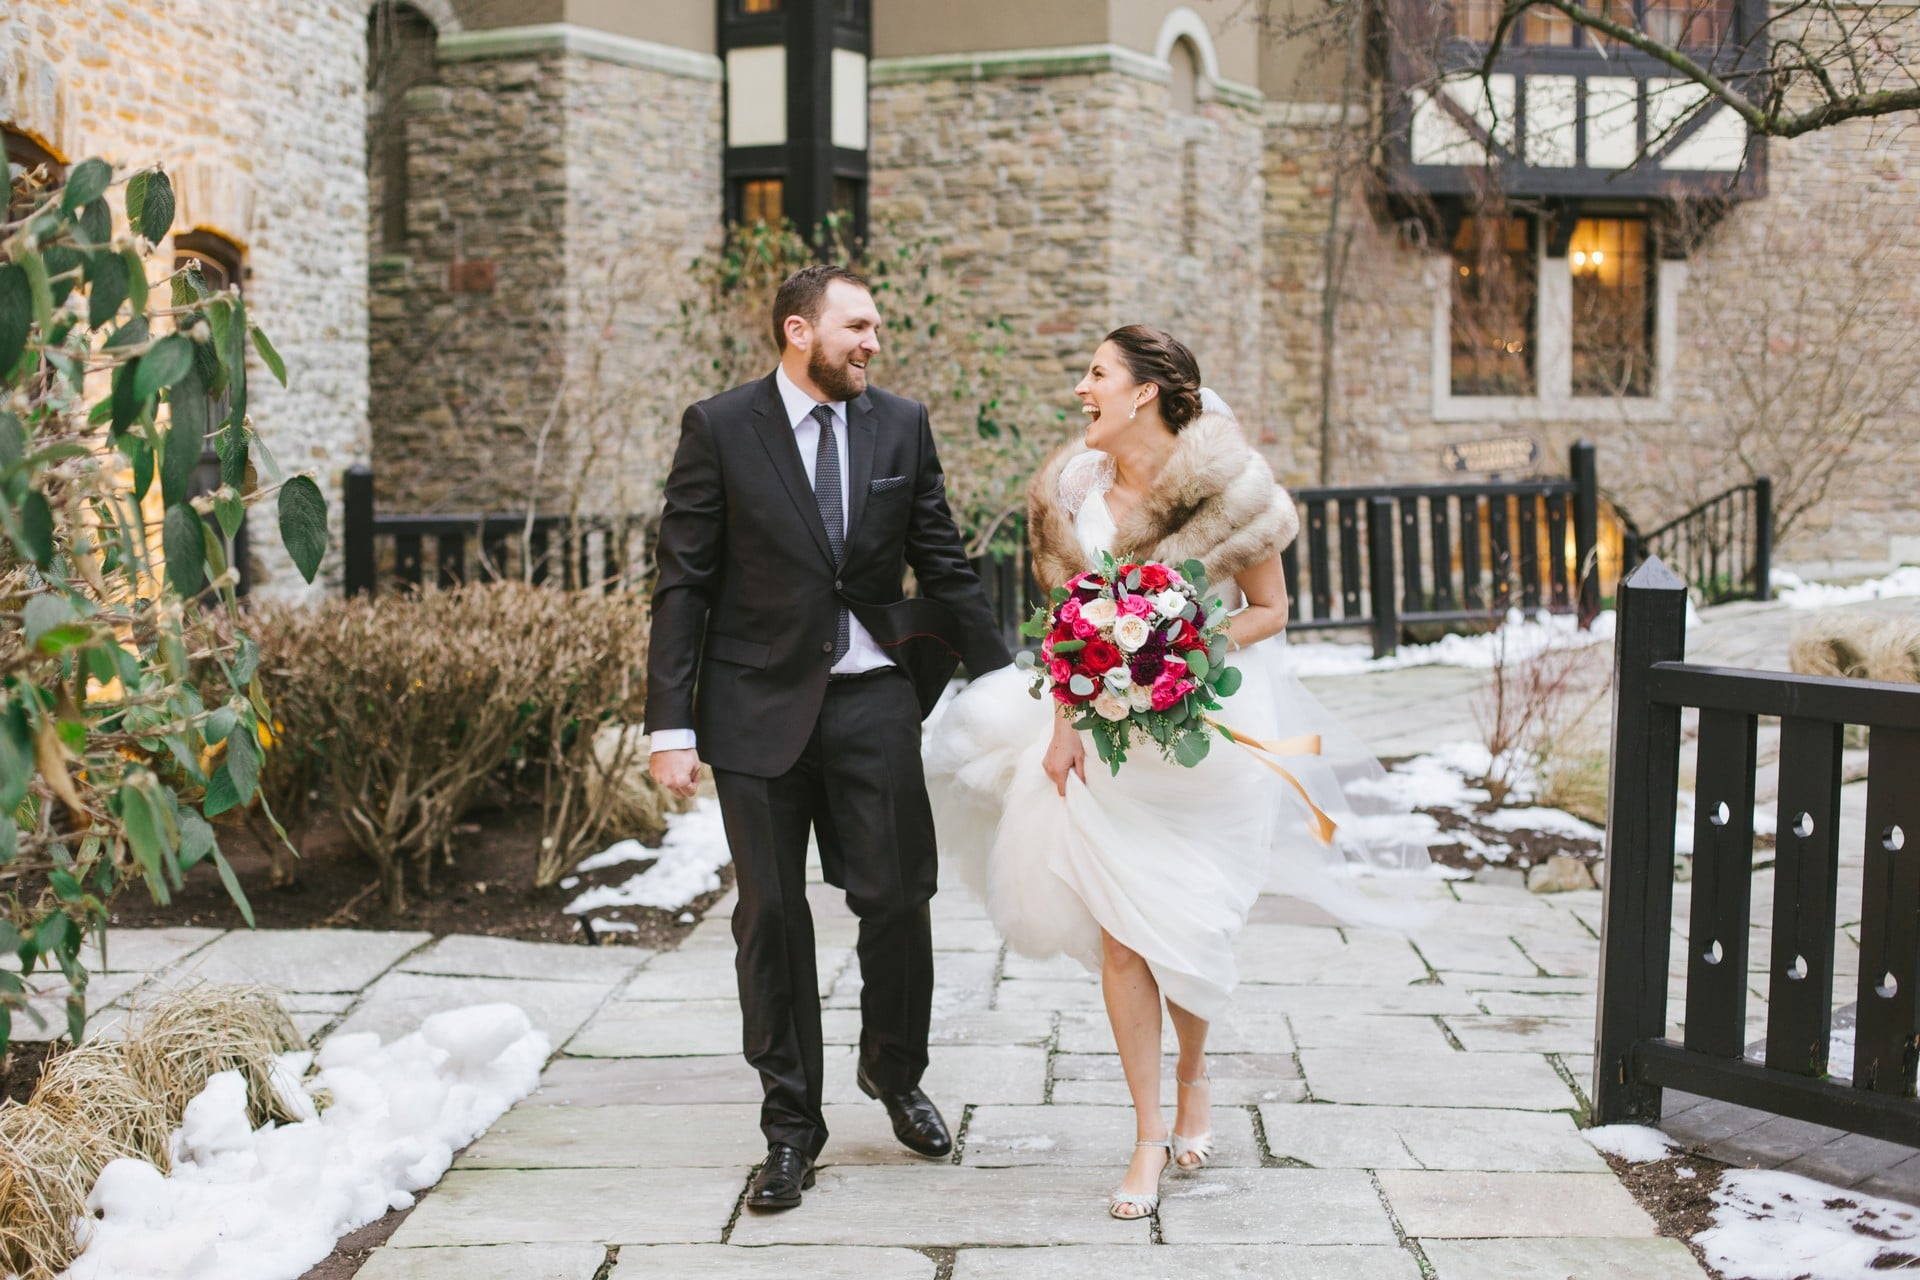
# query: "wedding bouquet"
{"points": [[1135, 651]]}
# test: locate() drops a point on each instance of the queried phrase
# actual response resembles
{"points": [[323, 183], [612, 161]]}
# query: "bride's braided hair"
{"points": [[1153, 355]]}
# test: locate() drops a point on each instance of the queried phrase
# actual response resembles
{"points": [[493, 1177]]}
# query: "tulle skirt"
{"points": [[1167, 859]]}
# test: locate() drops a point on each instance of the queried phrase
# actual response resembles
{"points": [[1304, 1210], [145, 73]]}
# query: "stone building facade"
{"points": [[475, 303]]}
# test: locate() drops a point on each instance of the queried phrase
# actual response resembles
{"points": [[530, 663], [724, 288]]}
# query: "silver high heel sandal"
{"points": [[1200, 1148], [1147, 1205]]}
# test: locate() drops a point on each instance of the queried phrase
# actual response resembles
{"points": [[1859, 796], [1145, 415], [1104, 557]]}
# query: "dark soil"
{"points": [[1529, 847], [1681, 1207], [351, 1251], [20, 1069], [488, 889]]}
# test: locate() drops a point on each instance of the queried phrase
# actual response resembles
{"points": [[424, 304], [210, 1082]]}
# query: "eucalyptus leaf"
{"points": [[1227, 683], [1079, 685], [1197, 664], [1191, 748], [1066, 647]]}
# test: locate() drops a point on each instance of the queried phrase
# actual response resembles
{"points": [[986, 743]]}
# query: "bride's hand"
{"points": [[1066, 754]]}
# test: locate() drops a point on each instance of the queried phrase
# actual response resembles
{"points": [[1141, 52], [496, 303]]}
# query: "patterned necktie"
{"points": [[826, 494]]}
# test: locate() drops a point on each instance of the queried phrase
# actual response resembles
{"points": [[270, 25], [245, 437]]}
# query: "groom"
{"points": [[781, 639]]}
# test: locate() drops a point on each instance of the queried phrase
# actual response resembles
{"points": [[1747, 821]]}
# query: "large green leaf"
{"points": [[36, 528], [1191, 749], [13, 444], [186, 552], [136, 281], [243, 762], [143, 824], [221, 793], [232, 883], [38, 289], [275, 364], [107, 273], [186, 437], [16, 315], [233, 356], [96, 223], [165, 364], [87, 182], [150, 204], [196, 839], [16, 756], [65, 266], [303, 524]]}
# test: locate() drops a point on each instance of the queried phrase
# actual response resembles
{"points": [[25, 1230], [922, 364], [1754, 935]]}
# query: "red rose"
{"points": [[1189, 638], [1099, 656], [1153, 577]]}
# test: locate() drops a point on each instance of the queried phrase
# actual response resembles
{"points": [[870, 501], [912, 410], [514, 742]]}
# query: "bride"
{"points": [[1146, 877]]}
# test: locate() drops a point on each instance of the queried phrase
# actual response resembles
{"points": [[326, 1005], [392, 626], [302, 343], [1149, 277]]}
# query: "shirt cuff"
{"points": [[672, 740]]}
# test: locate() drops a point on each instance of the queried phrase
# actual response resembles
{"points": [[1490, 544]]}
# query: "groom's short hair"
{"points": [[805, 292]]}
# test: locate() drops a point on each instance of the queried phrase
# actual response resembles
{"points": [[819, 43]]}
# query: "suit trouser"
{"points": [[859, 785]]}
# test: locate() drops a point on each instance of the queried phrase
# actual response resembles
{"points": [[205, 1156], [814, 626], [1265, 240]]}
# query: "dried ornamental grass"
{"points": [[1891, 651], [90, 1087], [47, 1169], [191, 1034]]}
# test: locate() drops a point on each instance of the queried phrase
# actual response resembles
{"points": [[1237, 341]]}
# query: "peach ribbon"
{"points": [[1319, 824]]}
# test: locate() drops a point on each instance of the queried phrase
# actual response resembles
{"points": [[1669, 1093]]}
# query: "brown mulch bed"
{"points": [[488, 890], [1529, 847], [20, 1069], [1680, 1206]]}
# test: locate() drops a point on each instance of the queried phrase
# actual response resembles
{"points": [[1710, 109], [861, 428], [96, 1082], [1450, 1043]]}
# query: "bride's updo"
{"points": [[1153, 355]]}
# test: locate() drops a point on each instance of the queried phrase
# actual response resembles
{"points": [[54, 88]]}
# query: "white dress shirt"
{"points": [[863, 654]]}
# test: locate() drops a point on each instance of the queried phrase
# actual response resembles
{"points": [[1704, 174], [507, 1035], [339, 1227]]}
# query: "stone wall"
{"points": [[555, 201], [270, 159]]}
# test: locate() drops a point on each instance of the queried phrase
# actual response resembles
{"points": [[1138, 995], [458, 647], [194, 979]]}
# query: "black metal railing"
{"points": [[1634, 1059], [1723, 547], [448, 549]]}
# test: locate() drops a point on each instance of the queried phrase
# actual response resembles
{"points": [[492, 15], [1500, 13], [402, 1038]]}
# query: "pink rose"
{"points": [[1136, 606], [1068, 612], [1168, 690], [1084, 630], [1061, 670]]}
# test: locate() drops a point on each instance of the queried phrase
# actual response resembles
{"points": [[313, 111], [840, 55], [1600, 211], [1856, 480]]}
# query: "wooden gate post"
{"points": [[1583, 469], [1636, 926], [357, 528], [1763, 538], [1380, 577]]}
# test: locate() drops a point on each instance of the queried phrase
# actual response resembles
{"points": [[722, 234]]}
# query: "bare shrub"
{"points": [[1524, 712]]}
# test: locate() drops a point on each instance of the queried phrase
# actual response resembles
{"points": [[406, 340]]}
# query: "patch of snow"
{"points": [[1769, 1225], [1684, 1174], [269, 1203], [686, 865], [1795, 594], [615, 926], [1634, 1143], [1540, 818], [1520, 638]]}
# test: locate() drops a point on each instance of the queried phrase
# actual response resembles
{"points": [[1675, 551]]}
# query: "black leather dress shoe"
{"points": [[916, 1121], [781, 1179]]}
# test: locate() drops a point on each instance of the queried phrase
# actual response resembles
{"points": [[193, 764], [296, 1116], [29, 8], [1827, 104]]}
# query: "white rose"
{"points": [[1110, 707], [1131, 632], [1168, 603], [1100, 612], [1140, 698]]}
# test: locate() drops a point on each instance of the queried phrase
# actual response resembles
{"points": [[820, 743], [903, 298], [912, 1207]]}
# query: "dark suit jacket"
{"points": [[743, 608]]}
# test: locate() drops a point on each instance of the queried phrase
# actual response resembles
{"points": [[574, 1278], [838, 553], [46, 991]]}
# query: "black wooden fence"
{"points": [[1723, 547], [1634, 1061], [448, 549]]}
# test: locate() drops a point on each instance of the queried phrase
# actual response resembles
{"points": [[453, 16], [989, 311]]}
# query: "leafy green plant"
{"points": [[112, 760]]}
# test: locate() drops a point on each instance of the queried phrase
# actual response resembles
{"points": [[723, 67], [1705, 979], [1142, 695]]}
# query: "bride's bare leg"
{"points": [[1193, 1119], [1133, 1007]]}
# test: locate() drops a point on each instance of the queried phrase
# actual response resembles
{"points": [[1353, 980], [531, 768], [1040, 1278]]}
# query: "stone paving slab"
{"points": [[1235, 1031], [575, 1206], [949, 1205], [1333, 998], [399, 1002], [466, 956], [1291, 955], [1367, 1031], [1048, 994], [1503, 1080], [655, 1136], [1273, 1206], [302, 959], [1456, 1205], [993, 1026], [1062, 1135], [1522, 1033], [667, 1028], [1189, 1262], [770, 1262], [1331, 1136], [142, 950], [600, 1082], [464, 1262], [1113, 1093], [709, 975], [1576, 1258]]}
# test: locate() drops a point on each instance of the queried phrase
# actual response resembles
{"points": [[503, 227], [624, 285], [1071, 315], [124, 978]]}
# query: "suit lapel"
{"points": [[860, 448], [776, 434]]}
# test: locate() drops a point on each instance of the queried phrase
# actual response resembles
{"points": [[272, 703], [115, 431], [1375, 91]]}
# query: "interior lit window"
{"points": [[760, 200], [1495, 281], [1612, 307], [26, 156], [759, 6], [1688, 23]]}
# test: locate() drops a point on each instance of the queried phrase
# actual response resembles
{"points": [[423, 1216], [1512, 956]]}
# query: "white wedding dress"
{"points": [[1167, 859]]}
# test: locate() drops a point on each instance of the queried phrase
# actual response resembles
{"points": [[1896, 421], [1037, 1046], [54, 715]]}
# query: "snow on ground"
{"points": [[1634, 1143], [1769, 1225], [268, 1203], [1521, 639], [1795, 593], [686, 865]]}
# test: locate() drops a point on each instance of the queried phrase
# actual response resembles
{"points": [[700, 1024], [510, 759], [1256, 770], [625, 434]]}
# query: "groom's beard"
{"points": [[839, 381]]}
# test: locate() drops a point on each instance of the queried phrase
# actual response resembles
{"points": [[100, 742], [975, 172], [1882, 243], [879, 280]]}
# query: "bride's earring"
{"points": [[1133, 413]]}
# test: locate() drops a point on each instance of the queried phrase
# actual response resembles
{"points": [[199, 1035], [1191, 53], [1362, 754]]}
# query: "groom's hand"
{"points": [[677, 771]]}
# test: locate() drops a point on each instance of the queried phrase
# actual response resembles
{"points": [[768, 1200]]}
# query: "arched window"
{"points": [[1184, 61], [29, 159], [220, 260], [401, 42]]}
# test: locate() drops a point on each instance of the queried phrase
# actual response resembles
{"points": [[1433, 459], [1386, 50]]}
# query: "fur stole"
{"points": [[1214, 501]]}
